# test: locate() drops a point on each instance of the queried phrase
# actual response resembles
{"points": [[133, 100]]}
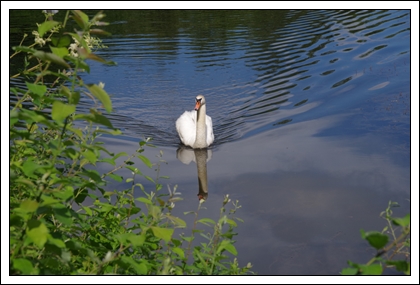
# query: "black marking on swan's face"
{"points": [[199, 101], [200, 98]]}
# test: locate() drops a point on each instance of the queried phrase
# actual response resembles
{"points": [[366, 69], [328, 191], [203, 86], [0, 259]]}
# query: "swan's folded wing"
{"points": [[209, 125], [186, 127]]}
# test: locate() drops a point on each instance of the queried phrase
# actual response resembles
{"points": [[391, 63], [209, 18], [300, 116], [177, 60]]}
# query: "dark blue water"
{"points": [[311, 115]]}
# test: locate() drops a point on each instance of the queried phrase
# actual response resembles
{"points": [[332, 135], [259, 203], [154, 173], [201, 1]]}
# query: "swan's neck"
{"points": [[201, 131]]}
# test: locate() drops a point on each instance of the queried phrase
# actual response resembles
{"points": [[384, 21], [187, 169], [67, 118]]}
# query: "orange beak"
{"points": [[197, 105]]}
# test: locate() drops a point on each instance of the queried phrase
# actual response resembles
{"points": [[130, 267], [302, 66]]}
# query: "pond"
{"points": [[311, 117]]}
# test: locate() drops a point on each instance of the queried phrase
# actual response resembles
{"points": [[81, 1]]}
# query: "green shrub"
{"points": [[63, 219], [386, 252]]}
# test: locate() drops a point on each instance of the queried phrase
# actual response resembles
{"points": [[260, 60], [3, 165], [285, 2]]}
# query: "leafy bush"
{"points": [[63, 219], [386, 252]]}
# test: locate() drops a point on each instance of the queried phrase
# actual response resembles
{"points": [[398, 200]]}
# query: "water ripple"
{"points": [[257, 70]]}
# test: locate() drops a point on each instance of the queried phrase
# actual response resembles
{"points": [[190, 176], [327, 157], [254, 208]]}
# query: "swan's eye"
{"points": [[198, 99]]}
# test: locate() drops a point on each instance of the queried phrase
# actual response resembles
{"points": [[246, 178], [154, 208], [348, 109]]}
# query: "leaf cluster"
{"points": [[386, 251]]}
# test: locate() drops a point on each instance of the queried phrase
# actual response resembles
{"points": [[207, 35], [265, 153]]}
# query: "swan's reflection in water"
{"points": [[200, 157]]}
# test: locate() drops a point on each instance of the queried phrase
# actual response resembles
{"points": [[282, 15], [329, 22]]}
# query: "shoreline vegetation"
{"points": [[63, 221]]}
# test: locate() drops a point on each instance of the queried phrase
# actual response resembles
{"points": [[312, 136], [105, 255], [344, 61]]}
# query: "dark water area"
{"points": [[311, 113]]}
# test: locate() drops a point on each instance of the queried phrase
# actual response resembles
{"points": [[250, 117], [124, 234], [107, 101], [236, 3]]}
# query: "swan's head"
{"points": [[199, 101]]}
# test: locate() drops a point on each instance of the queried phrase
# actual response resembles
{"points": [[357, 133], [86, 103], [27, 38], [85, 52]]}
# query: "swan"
{"points": [[195, 128]]}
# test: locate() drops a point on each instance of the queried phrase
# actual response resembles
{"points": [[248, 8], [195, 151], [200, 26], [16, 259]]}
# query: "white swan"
{"points": [[195, 128]]}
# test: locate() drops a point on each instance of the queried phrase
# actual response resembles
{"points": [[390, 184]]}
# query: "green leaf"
{"points": [[162, 233], [203, 235], [80, 196], [155, 211], [177, 221], [29, 206], [48, 200], [46, 56], [108, 194], [349, 271], [401, 221], [87, 210], [408, 270], [37, 89], [145, 160], [91, 156], [63, 215], [400, 265], [77, 132], [122, 238], [176, 242], [61, 110], [133, 169], [149, 178], [37, 232], [15, 221], [29, 167], [99, 32], [239, 219], [227, 245], [29, 115], [61, 40], [93, 174], [188, 239], [140, 268], [108, 160], [57, 242], [59, 51], [179, 251], [101, 94], [96, 118], [119, 155], [64, 194], [13, 119], [206, 221], [117, 178], [375, 239], [202, 261], [144, 200], [231, 222], [46, 26], [23, 265], [66, 92], [137, 240], [52, 249], [81, 19], [373, 269], [95, 57], [66, 256], [231, 248]]}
